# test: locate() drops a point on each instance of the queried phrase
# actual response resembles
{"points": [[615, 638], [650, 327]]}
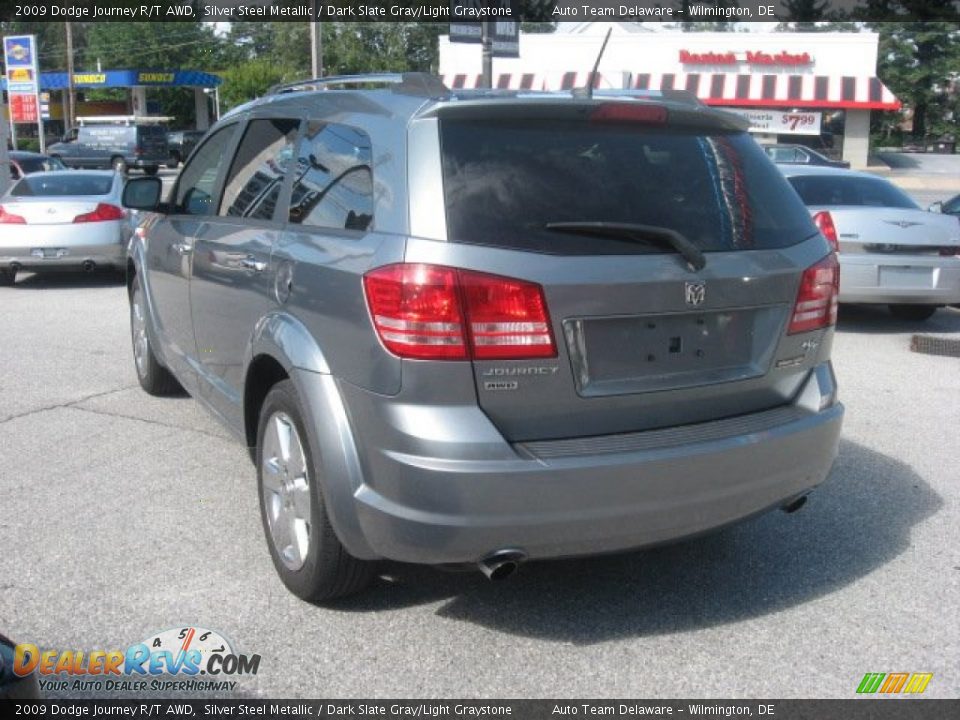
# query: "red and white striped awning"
{"points": [[726, 89], [757, 90]]}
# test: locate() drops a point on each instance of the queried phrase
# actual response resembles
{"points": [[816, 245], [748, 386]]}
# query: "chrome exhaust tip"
{"points": [[89, 266], [501, 564]]}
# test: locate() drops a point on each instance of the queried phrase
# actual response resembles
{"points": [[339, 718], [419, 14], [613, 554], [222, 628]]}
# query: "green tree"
{"points": [[155, 46], [51, 40], [804, 13], [251, 79], [919, 60]]}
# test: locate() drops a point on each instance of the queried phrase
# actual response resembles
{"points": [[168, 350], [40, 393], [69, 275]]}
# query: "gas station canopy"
{"points": [[127, 79]]}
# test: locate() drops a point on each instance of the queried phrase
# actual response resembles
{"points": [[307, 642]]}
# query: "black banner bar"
{"points": [[469, 11], [854, 709]]}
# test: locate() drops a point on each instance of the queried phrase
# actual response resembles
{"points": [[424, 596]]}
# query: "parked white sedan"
{"points": [[890, 250], [64, 220]]}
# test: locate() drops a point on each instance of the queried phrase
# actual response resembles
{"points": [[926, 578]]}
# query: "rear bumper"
{"points": [[464, 495], [909, 279], [113, 255]]}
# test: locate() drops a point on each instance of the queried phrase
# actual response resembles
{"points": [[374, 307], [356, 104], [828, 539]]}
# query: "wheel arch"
{"points": [[281, 348]]}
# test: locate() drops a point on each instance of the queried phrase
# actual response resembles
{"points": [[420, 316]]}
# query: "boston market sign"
{"points": [[750, 57]]}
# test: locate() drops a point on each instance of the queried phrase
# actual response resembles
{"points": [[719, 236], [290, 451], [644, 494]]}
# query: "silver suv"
{"points": [[489, 327]]}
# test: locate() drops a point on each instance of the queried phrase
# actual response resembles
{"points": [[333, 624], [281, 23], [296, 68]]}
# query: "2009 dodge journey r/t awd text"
{"points": [[485, 327]]}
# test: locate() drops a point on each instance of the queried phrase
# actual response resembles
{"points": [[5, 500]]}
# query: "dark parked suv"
{"points": [[489, 327], [118, 143]]}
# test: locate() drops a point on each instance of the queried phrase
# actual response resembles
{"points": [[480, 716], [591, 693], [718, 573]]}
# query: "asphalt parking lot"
{"points": [[122, 515]]}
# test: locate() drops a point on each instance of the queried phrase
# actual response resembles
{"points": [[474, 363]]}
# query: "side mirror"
{"points": [[142, 193], [936, 207]]}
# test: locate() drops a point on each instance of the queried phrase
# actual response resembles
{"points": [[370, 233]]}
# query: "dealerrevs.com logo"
{"points": [[894, 683], [184, 653]]}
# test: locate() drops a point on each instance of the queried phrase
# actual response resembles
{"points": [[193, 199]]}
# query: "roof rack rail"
{"points": [[407, 83]]}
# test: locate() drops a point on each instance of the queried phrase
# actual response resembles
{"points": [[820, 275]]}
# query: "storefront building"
{"points": [[817, 89]]}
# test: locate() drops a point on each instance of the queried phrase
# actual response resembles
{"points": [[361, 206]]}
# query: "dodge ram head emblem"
{"points": [[694, 293]]}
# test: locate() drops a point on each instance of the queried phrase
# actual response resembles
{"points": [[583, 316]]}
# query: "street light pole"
{"points": [[486, 42], [70, 119]]}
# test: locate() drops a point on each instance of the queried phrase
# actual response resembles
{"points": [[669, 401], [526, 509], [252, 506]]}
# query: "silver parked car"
{"points": [[891, 252], [63, 220], [490, 327]]}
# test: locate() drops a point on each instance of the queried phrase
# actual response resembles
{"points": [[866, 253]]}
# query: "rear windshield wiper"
{"points": [[653, 234]]}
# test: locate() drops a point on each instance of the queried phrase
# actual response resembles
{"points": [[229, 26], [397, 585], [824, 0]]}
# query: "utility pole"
{"points": [[71, 117], [316, 45], [486, 41]]}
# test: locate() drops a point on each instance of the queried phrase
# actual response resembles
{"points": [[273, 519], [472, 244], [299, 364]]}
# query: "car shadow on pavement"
{"points": [[68, 280], [858, 521], [876, 319]]}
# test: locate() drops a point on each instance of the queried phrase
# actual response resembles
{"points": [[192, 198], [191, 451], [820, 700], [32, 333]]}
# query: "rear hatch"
{"points": [[152, 142], [669, 250]]}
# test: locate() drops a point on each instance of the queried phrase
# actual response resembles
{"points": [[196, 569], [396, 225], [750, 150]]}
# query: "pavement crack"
{"points": [[148, 421], [57, 406]]}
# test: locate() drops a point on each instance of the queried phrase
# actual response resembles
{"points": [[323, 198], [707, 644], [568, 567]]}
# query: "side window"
{"points": [[257, 173], [333, 185], [194, 193]]}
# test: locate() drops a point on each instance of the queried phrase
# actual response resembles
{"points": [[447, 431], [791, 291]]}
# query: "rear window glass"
{"points": [[152, 131], [505, 180], [67, 184], [41, 164], [852, 190]]}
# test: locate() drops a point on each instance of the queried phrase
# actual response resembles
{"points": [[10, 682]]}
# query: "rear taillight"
{"points": [[507, 319], [630, 113], [816, 305], [824, 222], [10, 218], [103, 212], [431, 312]]}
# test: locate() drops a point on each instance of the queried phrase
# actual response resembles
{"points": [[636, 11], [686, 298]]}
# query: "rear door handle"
{"points": [[251, 263]]}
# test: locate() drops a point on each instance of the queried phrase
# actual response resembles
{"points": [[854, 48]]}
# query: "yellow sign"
{"points": [[20, 75], [90, 78], [154, 77]]}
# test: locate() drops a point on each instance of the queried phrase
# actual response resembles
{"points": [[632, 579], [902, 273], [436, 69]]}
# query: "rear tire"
{"points": [[119, 165], [8, 276], [152, 170], [154, 378], [913, 313], [305, 550]]}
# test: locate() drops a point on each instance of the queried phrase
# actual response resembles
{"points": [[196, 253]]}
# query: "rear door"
{"points": [[151, 143], [232, 282], [644, 340]]}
